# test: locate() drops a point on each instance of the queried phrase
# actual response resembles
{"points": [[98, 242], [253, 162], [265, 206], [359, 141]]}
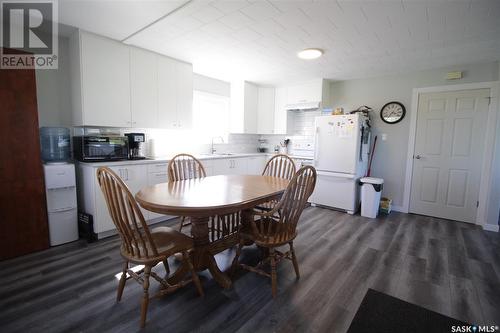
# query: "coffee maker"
{"points": [[136, 143]]}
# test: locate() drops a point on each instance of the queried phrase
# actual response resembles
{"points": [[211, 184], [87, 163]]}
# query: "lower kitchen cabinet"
{"points": [[256, 164], [157, 174], [231, 166], [91, 199]]}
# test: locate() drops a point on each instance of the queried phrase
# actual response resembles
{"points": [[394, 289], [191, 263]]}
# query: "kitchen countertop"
{"points": [[198, 156]]}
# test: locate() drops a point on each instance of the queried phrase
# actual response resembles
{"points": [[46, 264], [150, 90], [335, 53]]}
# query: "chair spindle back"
{"points": [[291, 205], [126, 215], [185, 166], [281, 166]]}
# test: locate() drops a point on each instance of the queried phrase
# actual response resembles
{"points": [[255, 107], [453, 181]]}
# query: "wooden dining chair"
{"points": [[182, 167], [271, 230], [281, 166], [142, 246]]}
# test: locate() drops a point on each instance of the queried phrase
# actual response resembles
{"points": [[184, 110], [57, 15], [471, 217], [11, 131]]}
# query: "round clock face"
{"points": [[392, 112]]}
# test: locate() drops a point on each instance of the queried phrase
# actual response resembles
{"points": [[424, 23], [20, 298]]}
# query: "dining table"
{"points": [[218, 207]]}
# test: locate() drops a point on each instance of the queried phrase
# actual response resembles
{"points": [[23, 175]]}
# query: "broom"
{"points": [[371, 157]]}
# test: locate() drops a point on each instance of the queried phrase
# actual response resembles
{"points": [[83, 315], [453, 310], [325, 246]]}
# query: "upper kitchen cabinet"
{"points": [[175, 94], [265, 110], [143, 88], [117, 85], [308, 95], [100, 70], [244, 107], [280, 111], [184, 85]]}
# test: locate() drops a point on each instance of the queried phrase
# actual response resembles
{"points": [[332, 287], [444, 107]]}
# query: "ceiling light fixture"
{"points": [[310, 54]]}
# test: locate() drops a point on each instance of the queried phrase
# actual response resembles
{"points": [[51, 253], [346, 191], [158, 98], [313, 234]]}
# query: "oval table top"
{"points": [[210, 195]]}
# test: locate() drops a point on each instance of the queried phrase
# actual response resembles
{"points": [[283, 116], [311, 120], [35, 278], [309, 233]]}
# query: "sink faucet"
{"points": [[213, 150]]}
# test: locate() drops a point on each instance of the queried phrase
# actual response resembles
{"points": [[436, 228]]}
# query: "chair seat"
{"points": [[168, 242], [274, 237]]}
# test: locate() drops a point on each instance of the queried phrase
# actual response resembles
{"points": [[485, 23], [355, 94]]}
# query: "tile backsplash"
{"points": [[162, 143]]}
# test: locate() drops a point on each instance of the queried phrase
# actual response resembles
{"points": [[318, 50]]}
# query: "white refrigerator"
{"points": [[341, 151]]}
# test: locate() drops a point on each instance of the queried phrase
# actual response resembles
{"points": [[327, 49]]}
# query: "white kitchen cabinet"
{"points": [[244, 107], [313, 93], [157, 174], [208, 165], [230, 166], [143, 88], [100, 71], [175, 94], [167, 93], [117, 85], [184, 80], [305, 92], [90, 197], [256, 164], [280, 111], [265, 110]]}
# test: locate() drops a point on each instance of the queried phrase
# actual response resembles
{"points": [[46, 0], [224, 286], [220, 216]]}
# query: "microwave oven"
{"points": [[100, 148]]}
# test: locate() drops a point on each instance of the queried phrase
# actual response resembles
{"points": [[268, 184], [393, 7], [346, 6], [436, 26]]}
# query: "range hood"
{"points": [[303, 106]]}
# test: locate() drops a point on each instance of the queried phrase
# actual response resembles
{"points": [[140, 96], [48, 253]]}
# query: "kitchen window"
{"points": [[210, 116]]}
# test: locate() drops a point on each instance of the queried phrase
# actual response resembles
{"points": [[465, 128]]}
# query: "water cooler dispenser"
{"points": [[60, 185]]}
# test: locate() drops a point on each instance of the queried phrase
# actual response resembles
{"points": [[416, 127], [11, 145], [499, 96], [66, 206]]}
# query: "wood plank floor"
{"points": [[449, 267]]}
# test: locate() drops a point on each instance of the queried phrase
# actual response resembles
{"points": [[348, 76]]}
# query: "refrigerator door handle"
{"points": [[335, 174]]}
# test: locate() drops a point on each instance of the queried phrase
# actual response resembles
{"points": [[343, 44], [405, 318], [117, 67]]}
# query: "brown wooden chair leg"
{"points": [[294, 260], [123, 279], [145, 297], [196, 279], [183, 218], [234, 264], [167, 267], [273, 272]]}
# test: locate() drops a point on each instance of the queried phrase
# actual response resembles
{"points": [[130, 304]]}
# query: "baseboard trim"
{"points": [[398, 209], [490, 227]]}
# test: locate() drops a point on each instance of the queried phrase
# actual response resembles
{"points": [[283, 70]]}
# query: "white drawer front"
{"points": [[158, 167]]}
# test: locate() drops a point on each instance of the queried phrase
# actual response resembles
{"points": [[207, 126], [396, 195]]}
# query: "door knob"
{"points": [[417, 157]]}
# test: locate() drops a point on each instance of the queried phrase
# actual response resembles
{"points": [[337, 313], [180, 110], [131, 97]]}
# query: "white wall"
{"points": [[390, 156], [53, 91]]}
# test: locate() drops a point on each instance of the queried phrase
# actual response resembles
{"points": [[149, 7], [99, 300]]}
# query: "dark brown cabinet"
{"points": [[23, 214]]}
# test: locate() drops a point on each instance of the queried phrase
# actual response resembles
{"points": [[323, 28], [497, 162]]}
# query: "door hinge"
{"points": [[489, 100], [477, 204]]}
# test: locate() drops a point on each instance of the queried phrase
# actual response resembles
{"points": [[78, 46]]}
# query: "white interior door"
{"points": [[448, 154]]}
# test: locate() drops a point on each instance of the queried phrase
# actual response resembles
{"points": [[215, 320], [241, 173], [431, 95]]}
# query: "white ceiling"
{"points": [[258, 40]]}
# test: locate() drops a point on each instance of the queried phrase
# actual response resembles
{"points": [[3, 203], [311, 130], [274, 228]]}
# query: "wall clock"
{"points": [[393, 112]]}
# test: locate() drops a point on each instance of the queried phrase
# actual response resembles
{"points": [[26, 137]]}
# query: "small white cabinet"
{"points": [[244, 107], [157, 174], [231, 166], [90, 197], [175, 93], [280, 111], [184, 92], [265, 110], [256, 164], [100, 70], [143, 88]]}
